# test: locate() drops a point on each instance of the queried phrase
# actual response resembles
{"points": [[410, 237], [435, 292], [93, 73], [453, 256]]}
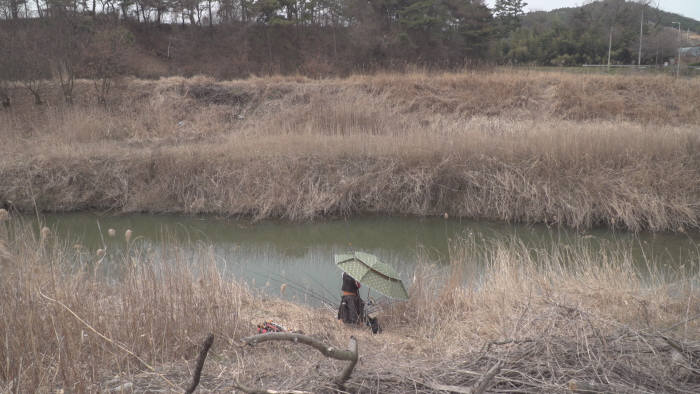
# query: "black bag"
{"points": [[373, 323]]}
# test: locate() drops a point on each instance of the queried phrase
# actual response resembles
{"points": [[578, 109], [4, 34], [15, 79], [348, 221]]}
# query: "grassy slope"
{"points": [[577, 150]]}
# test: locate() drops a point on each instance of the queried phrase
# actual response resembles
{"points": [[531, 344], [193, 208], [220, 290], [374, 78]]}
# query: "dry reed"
{"points": [[158, 308], [548, 315], [575, 150]]}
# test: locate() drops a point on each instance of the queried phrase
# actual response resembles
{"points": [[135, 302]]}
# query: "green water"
{"points": [[268, 253]]}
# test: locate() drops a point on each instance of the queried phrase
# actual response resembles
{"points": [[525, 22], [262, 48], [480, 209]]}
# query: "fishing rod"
{"points": [[329, 302], [304, 290], [325, 292], [323, 287], [283, 279]]}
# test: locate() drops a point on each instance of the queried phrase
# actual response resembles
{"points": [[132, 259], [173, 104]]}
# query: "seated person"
{"points": [[351, 309]]}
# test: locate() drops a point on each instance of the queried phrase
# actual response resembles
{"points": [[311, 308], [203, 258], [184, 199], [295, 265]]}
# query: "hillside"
{"points": [[656, 16], [597, 33]]}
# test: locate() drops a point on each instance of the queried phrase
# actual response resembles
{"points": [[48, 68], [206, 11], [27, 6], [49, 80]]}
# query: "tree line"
{"points": [[103, 39], [600, 32]]}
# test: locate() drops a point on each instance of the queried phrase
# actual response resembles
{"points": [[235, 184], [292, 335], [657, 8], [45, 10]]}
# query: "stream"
{"points": [[268, 253]]}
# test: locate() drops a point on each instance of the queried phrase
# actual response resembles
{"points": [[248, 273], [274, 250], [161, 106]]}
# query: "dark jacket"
{"points": [[352, 307], [350, 284]]}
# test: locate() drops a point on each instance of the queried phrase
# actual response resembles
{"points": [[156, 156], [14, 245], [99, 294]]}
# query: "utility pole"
{"points": [[609, 47], [641, 31], [680, 38]]}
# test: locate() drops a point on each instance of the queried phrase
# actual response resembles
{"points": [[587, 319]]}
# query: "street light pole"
{"points": [[641, 32], [609, 47], [680, 38]]}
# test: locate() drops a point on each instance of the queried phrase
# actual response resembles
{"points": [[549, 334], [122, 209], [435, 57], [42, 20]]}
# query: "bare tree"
{"points": [[68, 50], [227, 11], [105, 61], [662, 43], [11, 9], [5, 69], [124, 6], [28, 63]]}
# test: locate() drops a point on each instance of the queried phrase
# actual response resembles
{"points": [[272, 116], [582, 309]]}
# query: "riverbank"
{"points": [[576, 315], [556, 148]]}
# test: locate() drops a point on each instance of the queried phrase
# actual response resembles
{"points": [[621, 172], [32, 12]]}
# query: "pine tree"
{"points": [[508, 13]]}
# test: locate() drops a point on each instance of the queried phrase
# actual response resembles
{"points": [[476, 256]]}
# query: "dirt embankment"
{"points": [[577, 150]]}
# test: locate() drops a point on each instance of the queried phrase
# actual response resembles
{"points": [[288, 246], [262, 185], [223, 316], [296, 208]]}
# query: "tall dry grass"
{"points": [[510, 282], [163, 304], [552, 318], [576, 150], [159, 307]]}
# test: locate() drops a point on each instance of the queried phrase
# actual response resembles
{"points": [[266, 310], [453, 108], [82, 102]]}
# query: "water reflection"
{"points": [[270, 253]]}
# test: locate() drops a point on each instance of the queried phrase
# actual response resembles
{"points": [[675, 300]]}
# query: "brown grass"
{"points": [[576, 150], [567, 312]]}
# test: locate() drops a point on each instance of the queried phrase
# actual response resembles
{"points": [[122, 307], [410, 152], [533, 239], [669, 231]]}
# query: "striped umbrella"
{"points": [[368, 270]]}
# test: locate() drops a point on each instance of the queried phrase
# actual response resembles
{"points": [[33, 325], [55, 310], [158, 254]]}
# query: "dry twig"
{"points": [[111, 341]]}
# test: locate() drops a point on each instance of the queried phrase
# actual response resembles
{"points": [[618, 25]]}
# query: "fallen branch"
{"points": [[345, 375], [487, 347], [329, 351], [200, 363], [250, 390], [481, 385], [586, 388]]}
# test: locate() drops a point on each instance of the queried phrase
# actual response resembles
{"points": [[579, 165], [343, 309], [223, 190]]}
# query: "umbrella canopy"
{"points": [[368, 270]]}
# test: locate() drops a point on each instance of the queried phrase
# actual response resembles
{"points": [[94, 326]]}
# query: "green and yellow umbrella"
{"points": [[368, 270]]}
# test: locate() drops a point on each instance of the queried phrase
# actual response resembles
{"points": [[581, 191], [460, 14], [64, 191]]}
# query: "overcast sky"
{"points": [[689, 8]]}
